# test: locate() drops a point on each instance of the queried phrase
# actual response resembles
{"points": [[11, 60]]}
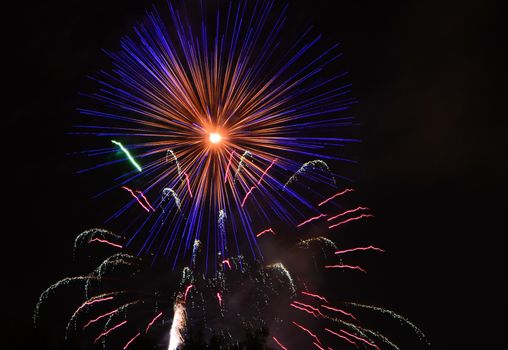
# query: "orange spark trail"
{"points": [[103, 334], [345, 267], [311, 219], [136, 197], [265, 231], [336, 195], [315, 296], [360, 339], [341, 336], [152, 322], [98, 318], [228, 166], [352, 219], [309, 332], [359, 248], [146, 200], [105, 241], [130, 341], [338, 310], [279, 344], [347, 212]]}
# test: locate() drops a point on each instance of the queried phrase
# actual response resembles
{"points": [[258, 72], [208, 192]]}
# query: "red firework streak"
{"points": [[307, 331], [338, 310], [136, 197], [347, 212], [351, 267], [146, 200], [153, 321], [226, 262], [279, 343], [265, 231], [103, 334], [100, 317], [359, 248], [352, 219], [314, 309], [336, 195], [311, 219], [315, 296], [92, 302], [303, 309], [130, 341], [188, 184], [106, 242], [341, 336], [219, 297], [228, 166], [360, 339], [258, 183], [187, 291]]}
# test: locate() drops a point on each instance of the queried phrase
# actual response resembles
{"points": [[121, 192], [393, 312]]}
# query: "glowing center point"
{"points": [[215, 137]]}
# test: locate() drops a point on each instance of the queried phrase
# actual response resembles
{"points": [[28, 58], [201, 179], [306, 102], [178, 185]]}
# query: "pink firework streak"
{"points": [[303, 309], [92, 302], [339, 310], [336, 195], [228, 166], [219, 297], [352, 219], [315, 296], [359, 248], [103, 334], [360, 339], [351, 267], [153, 321], [226, 262], [100, 317], [279, 343], [347, 212], [188, 184], [145, 199], [318, 346], [105, 242], [259, 182], [314, 309], [136, 197], [130, 341], [265, 231], [307, 331], [187, 291], [341, 336], [311, 219]]}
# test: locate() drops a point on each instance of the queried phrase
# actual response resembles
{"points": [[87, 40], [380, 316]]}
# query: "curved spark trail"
{"points": [[106, 242], [336, 195], [352, 219]]}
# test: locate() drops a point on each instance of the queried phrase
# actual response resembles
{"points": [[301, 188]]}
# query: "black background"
{"points": [[432, 161]]}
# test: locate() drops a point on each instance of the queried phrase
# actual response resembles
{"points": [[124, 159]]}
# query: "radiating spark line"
{"points": [[352, 219], [266, 171], [339, 310], [279, 343], [314, 309], [136, 197], [130, 341], [306, 330], [187, 291], [105, 241], [247, 195], [341, 336], [303, 309], [100, 317], [336, 195], [92, 302], [103, 334], [315, 296], [359, 249], [360, 339], [153, 321], [228, 166], [188, 184], [126, 151], [345, 267], [311, 219], [146, 200], [347, 212], [318, 346], [265, 231]]}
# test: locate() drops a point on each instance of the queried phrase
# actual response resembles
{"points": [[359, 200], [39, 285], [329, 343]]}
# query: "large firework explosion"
{"points": [[221, 135]]}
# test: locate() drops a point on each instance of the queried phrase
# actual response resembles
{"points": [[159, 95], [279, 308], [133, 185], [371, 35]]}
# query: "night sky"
{"points": [[431, 164]]}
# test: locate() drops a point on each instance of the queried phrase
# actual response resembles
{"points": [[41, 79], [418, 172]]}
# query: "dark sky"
{"points": [[432, 161]]}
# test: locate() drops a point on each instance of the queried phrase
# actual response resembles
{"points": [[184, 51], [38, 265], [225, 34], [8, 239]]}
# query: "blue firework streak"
{"points": [[217, 114]]}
